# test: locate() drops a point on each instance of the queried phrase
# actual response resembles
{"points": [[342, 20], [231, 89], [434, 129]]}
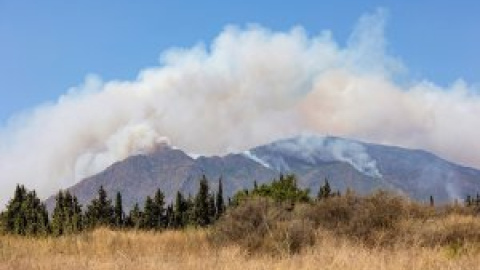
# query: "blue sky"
{"points": [[48, 46]]}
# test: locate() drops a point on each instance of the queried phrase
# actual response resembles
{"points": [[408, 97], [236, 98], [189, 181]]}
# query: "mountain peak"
{"points": [[346, 163]]}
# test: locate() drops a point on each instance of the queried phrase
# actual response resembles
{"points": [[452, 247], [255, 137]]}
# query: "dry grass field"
{"points": [[106, 249], [376, 232]]}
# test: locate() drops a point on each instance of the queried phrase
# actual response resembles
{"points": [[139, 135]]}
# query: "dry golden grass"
{"points": [[375, 232], [190, 249]]}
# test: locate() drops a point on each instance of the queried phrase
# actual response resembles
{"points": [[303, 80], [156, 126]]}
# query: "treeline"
{"points": [[25, 214]]}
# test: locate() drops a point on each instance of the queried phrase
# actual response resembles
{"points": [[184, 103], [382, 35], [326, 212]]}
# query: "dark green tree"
{"points": [[169, 217], [212, 209], [67, 214], [284, 189], [180, 211], [119, 215], [100, 211], [201, 209], [135, 217], [325, 191], [25, 214], [468, 201], [159, 210], [58, 218], [77, 219], [150, 219], [220, 203]]}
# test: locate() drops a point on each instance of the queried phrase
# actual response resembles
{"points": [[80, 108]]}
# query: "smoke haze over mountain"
{"points": [[248, 87]]}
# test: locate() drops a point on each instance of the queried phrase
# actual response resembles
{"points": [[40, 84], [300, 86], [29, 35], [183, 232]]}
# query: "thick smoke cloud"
{"points": [[249, 87]]}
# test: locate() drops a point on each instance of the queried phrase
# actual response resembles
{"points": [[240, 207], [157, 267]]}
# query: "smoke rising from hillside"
{"points": [[249, 87]]}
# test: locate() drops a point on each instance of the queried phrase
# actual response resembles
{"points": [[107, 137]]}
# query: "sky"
{"points": [[84, 84], [48, 46]]}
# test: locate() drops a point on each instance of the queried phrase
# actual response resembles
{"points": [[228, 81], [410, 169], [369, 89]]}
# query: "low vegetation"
{"points": [[272, 226]]}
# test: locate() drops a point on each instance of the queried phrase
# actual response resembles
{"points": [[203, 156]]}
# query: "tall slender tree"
{"points": [[212, 209], [180, 211], [159, 210], [220, 203], [150, 219], [201, 209], [58, 218], [118, 213]]}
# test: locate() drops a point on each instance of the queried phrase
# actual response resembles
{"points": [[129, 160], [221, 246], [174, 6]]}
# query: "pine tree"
{"points": [[100, 211], [190, 211], [201, 211], [220, 204], [150, 220], [15, 211], [58, 215], [169, 217], [25, 214], [68, 212], [119, 215], [159, 210], [180, 211], [136, 217], [325, 191], [212, 209], [42, 220], [77, 218], [468, 201]]}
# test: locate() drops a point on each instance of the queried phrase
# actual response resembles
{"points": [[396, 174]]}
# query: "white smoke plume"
{"points": [[249, 87], [314, 149]]}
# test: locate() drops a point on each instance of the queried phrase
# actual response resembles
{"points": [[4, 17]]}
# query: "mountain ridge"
{"points": [[347, 163]]}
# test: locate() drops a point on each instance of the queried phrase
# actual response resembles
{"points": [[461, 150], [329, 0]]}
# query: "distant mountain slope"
{"points": [[170, 170], [346, 163]]}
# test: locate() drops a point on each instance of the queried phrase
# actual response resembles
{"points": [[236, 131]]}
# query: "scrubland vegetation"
{"points": [[273, 226]]}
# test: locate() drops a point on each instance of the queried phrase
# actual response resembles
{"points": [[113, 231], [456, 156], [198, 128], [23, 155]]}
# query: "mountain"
{"points": [[346, 163]]}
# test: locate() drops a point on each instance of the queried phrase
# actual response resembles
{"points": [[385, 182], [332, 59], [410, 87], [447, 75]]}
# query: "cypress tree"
{"points": [[180, 211], [42, 220], [201, 208], [150, 220], [212, 209], [159, 210], [16, 215], [68, 226], [190, 211], [58, 215], [169, 217], [220, 204], [77, 218], [118, 211]]}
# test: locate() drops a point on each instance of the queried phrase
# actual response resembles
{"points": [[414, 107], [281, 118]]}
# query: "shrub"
{"points": [[262, 225]]}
